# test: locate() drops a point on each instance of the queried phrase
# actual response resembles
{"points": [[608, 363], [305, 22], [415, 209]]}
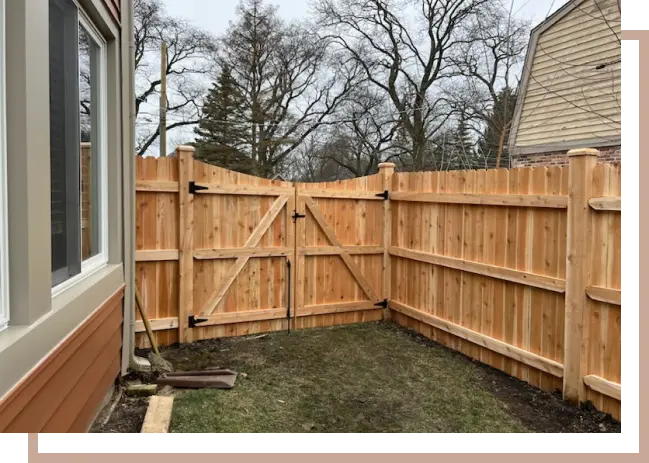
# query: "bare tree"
{"points": [[489, 59], [189, 60], [289, 82], [364, 135], [403, 47]]}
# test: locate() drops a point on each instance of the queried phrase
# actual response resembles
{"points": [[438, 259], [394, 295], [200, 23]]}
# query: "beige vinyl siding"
{"points": [[567, 99]]}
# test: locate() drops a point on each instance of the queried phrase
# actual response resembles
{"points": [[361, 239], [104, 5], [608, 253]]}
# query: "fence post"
{"points": [[580, 179], [386, 170], [186, 242]]}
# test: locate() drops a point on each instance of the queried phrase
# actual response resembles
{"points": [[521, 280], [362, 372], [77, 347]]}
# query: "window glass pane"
{"points": [[89, 104], [64, 140]]}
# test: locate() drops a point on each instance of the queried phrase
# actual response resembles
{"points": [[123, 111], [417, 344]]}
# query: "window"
{"points": [[4, 216], [77, 144]]}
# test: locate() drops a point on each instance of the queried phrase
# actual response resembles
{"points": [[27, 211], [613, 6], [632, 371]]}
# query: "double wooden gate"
{"points": [[254, 254]]}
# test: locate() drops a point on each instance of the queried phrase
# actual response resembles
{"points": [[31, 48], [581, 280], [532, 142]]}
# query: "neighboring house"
{"points": [[570, 90], [66, 225]]}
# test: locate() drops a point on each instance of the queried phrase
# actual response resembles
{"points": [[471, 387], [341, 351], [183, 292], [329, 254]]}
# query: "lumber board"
{"points": [[515, 200], [156, 186], [608, 295], [606, 203], [549, 366], [157, 324], [604, 386], [156, 255], [493, 271], [231, 253]]}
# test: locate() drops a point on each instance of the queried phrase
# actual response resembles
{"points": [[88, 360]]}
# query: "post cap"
{"points": [[583, 152], [186, 148], [387, 165]]}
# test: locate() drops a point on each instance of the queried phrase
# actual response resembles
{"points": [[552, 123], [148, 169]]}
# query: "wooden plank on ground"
{"points": [[158, 414]]}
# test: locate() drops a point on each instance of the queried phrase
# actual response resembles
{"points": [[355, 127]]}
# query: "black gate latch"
{"points": [[192, 321], [297, 216], [193, 188]]}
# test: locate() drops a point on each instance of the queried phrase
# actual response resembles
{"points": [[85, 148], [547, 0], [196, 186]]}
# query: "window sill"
{"points": [[89, 268]]}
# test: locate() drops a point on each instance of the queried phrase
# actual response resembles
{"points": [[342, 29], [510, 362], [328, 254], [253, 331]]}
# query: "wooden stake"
{"points": [[580, 176], [163, 100], [145, 320]]}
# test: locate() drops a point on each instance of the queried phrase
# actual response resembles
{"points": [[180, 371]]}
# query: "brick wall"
{"points": [[612, 155]]}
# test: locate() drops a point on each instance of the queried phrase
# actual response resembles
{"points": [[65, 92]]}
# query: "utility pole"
{"points": [[163, 100]]}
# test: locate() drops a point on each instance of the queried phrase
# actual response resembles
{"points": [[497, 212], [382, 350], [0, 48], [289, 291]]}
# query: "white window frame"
{"points": [[100, 260], [4, 214]]}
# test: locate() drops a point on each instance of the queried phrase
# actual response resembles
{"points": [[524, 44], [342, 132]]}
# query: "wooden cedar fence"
{"points": [[518, 268]]}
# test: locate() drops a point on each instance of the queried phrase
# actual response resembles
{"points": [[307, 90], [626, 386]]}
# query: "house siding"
{"points": [[566, 99], [63, 393]]}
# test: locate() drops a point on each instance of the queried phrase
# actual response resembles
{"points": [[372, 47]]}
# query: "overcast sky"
{"points": [[215, 15]]}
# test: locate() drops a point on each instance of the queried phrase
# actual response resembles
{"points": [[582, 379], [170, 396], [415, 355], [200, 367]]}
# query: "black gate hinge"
{"points": [[192, 321], [383, 303], [385, 195], [193, 188], [296, 216]]}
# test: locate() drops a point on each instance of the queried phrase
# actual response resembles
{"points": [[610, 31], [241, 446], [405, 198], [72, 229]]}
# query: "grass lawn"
{"points": [[374, 377]]}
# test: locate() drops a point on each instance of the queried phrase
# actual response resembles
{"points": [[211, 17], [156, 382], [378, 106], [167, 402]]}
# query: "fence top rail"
{"points": [[529, 200]]}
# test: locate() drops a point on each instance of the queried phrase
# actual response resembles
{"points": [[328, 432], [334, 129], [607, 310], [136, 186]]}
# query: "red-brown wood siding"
{"points": [[114, 8], [63, 393]]}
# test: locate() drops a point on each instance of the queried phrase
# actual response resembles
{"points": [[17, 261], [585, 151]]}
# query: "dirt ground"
{"points": [[373, 377]]}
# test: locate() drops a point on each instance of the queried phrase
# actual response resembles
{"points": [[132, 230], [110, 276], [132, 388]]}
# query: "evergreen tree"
{"points": [[493, 144], [220, 132]]}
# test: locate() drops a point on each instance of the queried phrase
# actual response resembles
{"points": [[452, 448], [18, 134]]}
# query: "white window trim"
{"points": [[100, 260], [4, 213]]}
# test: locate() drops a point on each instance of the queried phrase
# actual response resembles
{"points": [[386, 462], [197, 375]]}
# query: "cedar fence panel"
{"points": [[481, 261]]}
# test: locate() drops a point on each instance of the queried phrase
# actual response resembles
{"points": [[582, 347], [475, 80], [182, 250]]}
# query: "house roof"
{"points": [[550, 21]]}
